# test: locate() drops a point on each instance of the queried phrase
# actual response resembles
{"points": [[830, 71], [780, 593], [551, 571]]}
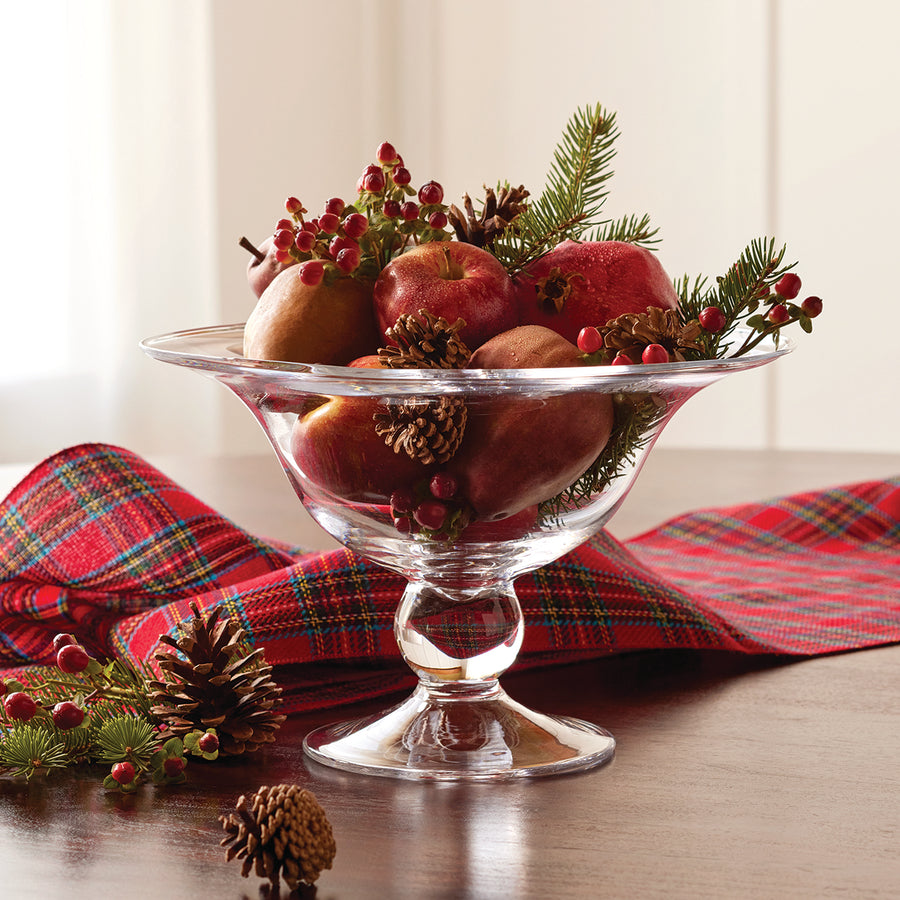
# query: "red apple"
{"points": [[449, 279], [336, 448], [580, 284], [325, 323], [261, 272], [519, 451]]}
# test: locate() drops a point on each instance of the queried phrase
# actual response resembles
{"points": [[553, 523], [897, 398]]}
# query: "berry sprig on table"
{"points": [[85, 712]]}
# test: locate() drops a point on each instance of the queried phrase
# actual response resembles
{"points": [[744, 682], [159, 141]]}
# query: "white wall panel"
{"points": [[839, 193]]}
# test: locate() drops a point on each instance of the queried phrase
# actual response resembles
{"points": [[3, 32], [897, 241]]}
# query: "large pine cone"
{"points": [[216, 682]]}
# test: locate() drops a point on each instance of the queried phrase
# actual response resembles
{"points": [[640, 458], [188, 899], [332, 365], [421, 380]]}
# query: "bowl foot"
{"points": [[435, 737]]}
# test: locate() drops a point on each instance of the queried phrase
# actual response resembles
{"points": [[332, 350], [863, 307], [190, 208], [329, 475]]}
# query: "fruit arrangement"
{"points": [[399, 279]]}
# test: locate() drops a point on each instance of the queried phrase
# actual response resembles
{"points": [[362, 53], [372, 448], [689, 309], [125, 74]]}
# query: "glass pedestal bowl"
{"points": [[526, 434]]}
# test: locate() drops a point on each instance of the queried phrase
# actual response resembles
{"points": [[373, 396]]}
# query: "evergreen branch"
{"points": [[630, 229], [575, 193]]}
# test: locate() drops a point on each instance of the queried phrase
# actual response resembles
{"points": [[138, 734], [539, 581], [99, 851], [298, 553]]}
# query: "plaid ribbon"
{"points": [[98, 542]]}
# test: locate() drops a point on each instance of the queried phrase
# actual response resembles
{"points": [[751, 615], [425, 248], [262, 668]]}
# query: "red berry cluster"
{"points": [[20, 706], [432, 508], [590, 341], [359, 239]]}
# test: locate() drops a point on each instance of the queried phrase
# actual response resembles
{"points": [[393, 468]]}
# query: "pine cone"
{"points": [[216, 682], [499, 212], [282, 831], [425, 341], [427, 430], [631, 333]]}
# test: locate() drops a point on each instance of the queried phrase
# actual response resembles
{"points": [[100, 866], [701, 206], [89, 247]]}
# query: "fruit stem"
{"points": [[250, 248], [450, 269]]}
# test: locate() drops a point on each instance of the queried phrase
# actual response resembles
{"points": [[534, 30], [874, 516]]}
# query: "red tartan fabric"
{"points": [[96, 541]]}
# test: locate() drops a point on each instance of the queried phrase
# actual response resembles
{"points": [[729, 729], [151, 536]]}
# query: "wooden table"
{"points": [[734, 777]]}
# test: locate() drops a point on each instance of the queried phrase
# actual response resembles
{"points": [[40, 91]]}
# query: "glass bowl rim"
{"points": [[176, 347]]}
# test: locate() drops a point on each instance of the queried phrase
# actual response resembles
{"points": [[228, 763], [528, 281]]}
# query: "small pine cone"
{"points": [[498, 213], [215, 681], [427, 430], [280, 832], [631, 333], [425, 341]]}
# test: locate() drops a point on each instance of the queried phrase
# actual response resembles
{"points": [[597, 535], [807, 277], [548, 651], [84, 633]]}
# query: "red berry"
{"points": [[293, 205], [72, 658], [283, 238], [654, 354], [788, 286], [312, 226], [20, 706], [401, 176], [329, 222], [208, 743], [347, 260], [430, 193], [173, 766], [356, 225], [305, 241], [409, 210], [712, 319], [284, 223], [311, 272], [622, 359], [335, 206], [123, 772], [437, 220], [61, 640], [812, 306], [3, 688], [392, 209], [443, 486], [342, 243], [283, 256], [403, 500], [430, 514], [67, 715], [373, 182], [386, 153], [589, 340], [779, 314]]}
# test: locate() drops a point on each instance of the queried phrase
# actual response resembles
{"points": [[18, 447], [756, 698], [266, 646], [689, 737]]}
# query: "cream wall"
{"points": [[739, 118]]}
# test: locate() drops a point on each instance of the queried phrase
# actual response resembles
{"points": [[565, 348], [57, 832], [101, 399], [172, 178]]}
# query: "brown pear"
{"points": [[519, 451], [326, 323]]}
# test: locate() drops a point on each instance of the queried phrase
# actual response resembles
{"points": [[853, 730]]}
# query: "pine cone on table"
{"points": [[215, 681], [281, 832]]}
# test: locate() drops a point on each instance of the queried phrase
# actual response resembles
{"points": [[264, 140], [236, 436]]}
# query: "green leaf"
{"points": [[805, 323]]}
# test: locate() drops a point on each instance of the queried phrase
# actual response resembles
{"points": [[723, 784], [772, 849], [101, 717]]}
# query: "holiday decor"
{"points": [[118, 715], [526, 357], [280, 832], [215, 681]]}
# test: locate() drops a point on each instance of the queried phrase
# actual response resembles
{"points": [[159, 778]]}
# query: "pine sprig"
{"points": [[28, 749], [576, 190], [629, 229], [739, 294]]}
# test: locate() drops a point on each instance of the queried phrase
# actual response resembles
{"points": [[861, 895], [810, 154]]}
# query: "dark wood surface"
{"points": [[734, 776]]}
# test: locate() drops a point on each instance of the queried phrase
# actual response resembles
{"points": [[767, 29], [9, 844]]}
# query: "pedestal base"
{"points": [[453, 739]]}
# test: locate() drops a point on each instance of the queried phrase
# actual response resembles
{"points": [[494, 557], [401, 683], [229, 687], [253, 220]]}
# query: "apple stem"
{"points": [[450, 269], [250, 248]]}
